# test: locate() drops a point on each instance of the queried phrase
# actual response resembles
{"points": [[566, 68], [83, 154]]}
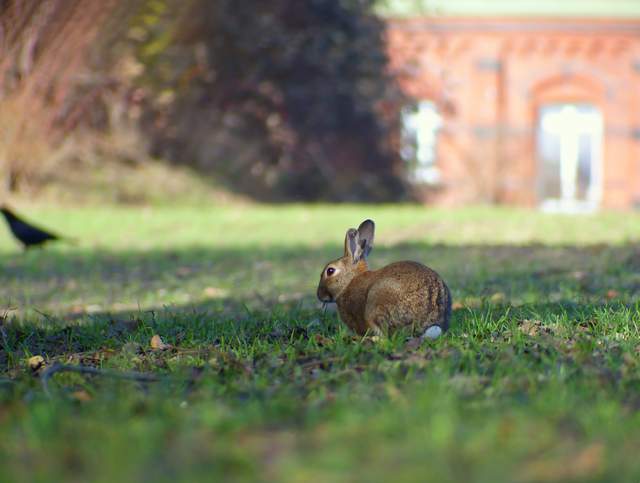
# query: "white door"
{"points": [[569, 144]]}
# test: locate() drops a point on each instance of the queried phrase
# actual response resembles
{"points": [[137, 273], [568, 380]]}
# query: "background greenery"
{"points": [[536, 381]]}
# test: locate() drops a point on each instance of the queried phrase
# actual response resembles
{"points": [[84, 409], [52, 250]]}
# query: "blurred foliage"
{"points": [[55, 83], [279, 98], [276, 99]]}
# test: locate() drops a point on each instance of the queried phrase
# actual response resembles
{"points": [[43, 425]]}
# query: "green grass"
{"points": [[538, 379]]}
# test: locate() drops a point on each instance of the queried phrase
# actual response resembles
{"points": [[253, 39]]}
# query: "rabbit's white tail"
{"points": [[432, 332]]}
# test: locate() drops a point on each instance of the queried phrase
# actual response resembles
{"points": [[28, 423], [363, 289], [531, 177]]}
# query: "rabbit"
{"points": [[400, 295]]}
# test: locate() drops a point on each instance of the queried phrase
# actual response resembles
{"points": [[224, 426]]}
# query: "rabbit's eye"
{"points": [[331, 271]]}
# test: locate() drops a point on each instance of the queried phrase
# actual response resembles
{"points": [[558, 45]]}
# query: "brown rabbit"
{"points": [[402, 294]]}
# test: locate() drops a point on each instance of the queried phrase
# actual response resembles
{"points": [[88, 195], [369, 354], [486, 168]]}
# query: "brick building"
{"points": [[535, 111]]}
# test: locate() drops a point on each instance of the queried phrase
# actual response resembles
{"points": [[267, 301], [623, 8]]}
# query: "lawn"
{"points": [[538, 379]]}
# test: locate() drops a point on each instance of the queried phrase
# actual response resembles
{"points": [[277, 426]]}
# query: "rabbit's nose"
{"points": [[323, 295]]}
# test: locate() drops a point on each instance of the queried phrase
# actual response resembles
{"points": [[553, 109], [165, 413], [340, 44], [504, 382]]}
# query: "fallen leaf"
{"points": [[36, 363], [158, 344], [81, 395]]}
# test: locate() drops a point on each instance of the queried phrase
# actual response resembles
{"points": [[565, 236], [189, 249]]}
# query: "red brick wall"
{"points": [[489, 77]]}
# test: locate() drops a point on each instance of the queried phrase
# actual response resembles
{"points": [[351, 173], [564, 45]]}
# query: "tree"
{"points": [[280, 98]]}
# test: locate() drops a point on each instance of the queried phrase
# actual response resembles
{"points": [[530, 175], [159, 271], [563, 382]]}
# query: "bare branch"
{"points": [[57, 367]]}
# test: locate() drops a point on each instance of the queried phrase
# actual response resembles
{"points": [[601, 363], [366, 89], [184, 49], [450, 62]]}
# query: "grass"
{"points": [[538, 379]]}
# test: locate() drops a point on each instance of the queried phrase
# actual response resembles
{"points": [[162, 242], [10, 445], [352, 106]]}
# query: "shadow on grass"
{"points": [[58, 302], [87, 339], [56, 280]]}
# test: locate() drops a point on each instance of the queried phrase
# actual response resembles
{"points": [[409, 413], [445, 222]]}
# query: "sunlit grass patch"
{"points": [[538, 379]]}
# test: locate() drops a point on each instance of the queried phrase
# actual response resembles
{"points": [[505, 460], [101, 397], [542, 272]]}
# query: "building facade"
{"points": [[536, 112]]}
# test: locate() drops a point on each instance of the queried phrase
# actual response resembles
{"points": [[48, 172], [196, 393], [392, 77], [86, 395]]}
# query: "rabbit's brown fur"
{"points": [[402, 294]]}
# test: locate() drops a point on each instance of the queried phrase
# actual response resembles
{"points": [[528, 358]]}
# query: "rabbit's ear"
{"points": [[366, 231], [351, 245]]}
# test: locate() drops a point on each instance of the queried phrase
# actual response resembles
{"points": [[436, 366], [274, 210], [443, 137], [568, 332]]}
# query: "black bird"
{"points": [[26, 233]]}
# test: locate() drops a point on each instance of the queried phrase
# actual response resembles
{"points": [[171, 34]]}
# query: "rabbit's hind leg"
{"points": [[376, 320]]}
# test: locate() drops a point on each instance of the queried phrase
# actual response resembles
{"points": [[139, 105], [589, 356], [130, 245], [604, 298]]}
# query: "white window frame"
{"points": [[421, 125], [568, 124]]}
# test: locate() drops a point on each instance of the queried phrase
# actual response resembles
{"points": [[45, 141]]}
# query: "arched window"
{"points": [[569, 144], [420, 126]]}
